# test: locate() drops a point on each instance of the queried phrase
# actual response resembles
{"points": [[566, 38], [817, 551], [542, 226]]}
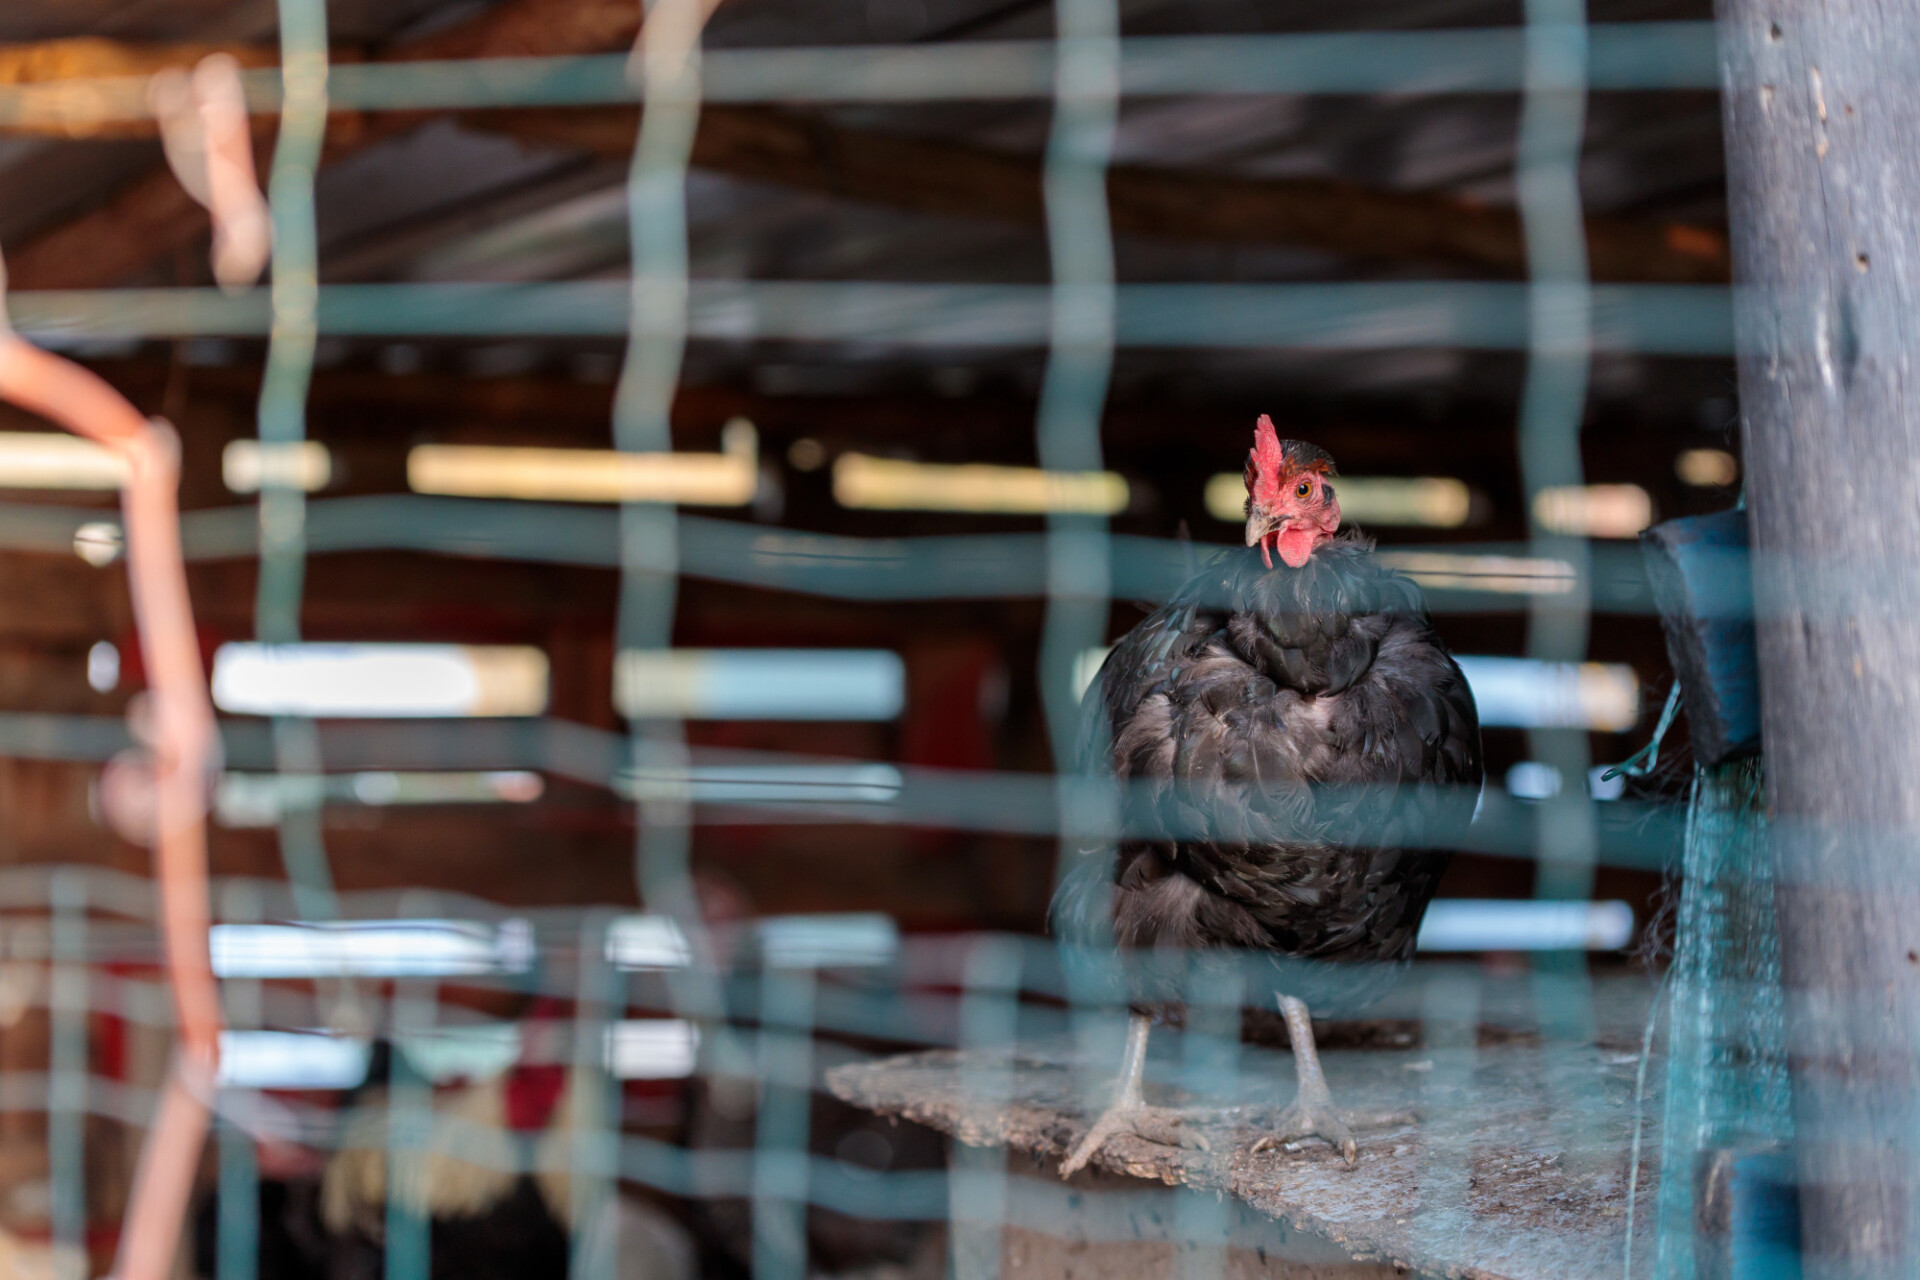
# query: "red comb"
{"points": [[1267, 455]]}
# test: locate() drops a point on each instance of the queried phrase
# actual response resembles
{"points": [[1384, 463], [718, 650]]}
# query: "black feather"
{"points": [[1257, 716]]}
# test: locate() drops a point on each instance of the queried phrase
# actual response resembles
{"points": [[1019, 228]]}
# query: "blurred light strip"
{"points": [[725, 479], [1706, 468], [765, 784], [1533, 780], [647, 942], [1537, 780], [1474, 924], [828, 941], [652, 1049], [759, 684], [1527, 693], [1086, 668], [260, 799], [291, 1060], [823, 941], [888, 484], [379, 681], [1466, 571], [1594, 510], [45, 460], [370, 949], [1434, 502], [636, 1049], [249, 466], [474, 1052]]}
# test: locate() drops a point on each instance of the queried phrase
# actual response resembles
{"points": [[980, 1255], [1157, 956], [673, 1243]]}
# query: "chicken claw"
{"points": [[1166, 1126], [1129, 1112], [1312, 1118], [1311, 1112]]}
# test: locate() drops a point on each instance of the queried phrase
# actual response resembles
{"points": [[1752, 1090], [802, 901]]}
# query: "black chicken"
{"points": [[1298, 750]]}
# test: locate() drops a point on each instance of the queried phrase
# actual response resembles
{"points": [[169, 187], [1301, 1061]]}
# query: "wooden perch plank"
{"points": [[1498, 1178], [151, 218]]}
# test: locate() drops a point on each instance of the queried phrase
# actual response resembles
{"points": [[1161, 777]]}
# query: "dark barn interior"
{"points": [[1328, 188]]}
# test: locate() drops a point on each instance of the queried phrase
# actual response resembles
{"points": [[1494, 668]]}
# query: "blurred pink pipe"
{"points": [[183, 746], [209, 144]]}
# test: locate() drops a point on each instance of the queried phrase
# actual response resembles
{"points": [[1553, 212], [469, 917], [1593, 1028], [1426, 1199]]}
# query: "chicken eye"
{"points": [[1303, 489]]}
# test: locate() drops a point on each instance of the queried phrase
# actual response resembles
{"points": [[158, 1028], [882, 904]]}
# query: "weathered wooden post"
{"points": [[1822, 117]]}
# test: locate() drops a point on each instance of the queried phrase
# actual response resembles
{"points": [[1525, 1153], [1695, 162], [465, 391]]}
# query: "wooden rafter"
{"points": [[153, 217], [932, 175], [52, 63]]}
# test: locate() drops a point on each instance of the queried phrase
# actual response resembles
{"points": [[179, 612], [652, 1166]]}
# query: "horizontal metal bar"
{"points": [[1679, 320], [958, 566], [1630, 835], [983, 566]]}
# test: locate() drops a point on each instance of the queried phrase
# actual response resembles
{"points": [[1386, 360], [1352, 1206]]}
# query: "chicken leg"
{"points": [[1129, 1113], [1311, 1114]]}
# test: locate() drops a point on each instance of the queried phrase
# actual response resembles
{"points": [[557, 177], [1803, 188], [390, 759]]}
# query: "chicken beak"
{"points": [[1259, 525]]}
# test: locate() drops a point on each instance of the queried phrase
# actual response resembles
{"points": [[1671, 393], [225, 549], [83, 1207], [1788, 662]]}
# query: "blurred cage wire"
{"points": [[765, 1016]]}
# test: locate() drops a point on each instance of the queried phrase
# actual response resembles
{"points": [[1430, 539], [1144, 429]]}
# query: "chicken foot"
{"points": [[1311, 1113], [1129, 1113]]}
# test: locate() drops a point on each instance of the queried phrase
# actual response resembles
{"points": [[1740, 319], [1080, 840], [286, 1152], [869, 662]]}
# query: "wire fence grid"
{"points": [[769, 1025]]}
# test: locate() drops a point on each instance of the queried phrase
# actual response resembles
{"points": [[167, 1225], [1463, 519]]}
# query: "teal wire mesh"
{"points": [[1727, 1083], [772, 1031]]}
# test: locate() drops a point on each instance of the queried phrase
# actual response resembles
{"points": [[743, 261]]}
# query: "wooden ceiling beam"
{"points": [[153, 217], [937, 176], [49, 63]]}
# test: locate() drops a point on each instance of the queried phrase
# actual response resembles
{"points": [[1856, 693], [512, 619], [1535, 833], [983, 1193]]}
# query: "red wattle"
{"points": [[1296, 544]]}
